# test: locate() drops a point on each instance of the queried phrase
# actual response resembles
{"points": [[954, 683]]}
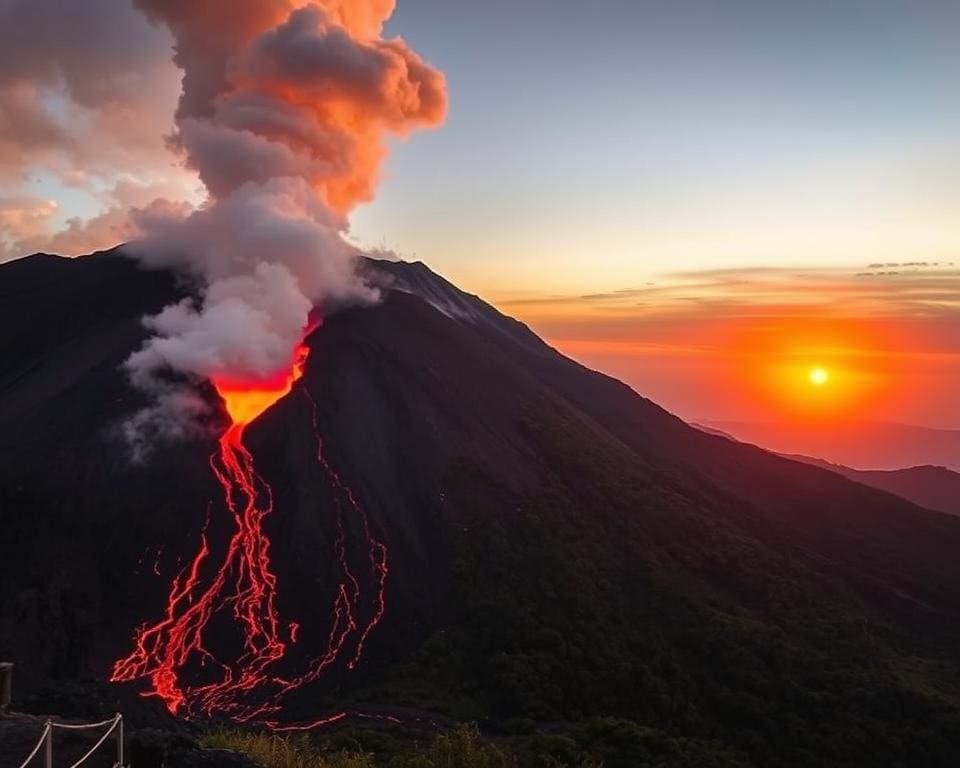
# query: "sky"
{"points": [[706, 199]]}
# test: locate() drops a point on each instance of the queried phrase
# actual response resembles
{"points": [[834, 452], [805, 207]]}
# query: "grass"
{"points": [[273, 751], [460, 748]]}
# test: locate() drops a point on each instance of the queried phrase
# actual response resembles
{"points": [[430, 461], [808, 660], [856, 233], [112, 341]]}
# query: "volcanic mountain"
{"points": [[865, 445], [931, 487], [565, 557]]}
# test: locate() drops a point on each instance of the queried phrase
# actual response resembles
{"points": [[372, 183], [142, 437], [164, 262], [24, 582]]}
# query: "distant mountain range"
{"points": [[570, 565], [936, 488], [865, 445]]}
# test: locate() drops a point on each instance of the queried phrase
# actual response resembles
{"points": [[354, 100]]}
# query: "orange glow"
{"points": [[245, 401], [819, 376], [804, 368], [789, 369]]}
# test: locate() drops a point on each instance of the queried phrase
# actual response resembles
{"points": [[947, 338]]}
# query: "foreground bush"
{"points": [[460, 748], [272, 751]]}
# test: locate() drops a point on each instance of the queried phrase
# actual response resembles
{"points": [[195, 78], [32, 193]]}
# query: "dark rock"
{"points": [[152, 748]]}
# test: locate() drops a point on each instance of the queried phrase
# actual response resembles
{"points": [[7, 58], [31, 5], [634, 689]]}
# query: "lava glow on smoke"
{"points": [[239, 586]]}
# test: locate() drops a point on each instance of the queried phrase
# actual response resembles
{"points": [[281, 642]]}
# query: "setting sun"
{"points": [[819, 376]]}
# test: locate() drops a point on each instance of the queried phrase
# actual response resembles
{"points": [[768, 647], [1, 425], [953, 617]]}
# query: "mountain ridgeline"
{"points": [[931, 487], [571, 566]]}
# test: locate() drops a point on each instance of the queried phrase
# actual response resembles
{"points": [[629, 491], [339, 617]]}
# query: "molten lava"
{"points": [[245, 401], [241, 588]]}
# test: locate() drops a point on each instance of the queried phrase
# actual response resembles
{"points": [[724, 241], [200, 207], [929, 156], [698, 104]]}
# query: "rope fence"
{"points": [[43, 740], [46, 740]]}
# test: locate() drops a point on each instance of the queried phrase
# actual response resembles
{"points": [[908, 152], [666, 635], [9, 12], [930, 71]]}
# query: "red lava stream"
{"points": [[239, 585]]}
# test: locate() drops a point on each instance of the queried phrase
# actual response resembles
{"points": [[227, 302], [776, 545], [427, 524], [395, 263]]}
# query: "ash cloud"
{"points": [[284, 114]]}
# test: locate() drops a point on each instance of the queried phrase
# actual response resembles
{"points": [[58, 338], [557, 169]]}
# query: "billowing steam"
{"points": [[284, 114]]}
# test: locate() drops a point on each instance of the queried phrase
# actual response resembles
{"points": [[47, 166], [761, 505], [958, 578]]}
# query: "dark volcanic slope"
{"points": [[561, 549], [861, 444], [931, 487], [936, 488]]}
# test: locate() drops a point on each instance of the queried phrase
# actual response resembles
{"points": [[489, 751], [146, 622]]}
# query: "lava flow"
{"points": [[243, 588]]}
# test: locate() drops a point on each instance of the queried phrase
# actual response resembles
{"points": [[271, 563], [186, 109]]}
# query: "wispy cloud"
{"points": [[892, 289], [703, 341]]}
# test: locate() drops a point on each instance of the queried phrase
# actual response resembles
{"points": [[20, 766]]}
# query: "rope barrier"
{"points": [[46, 737], [84, 726], [43, 738], [95, 747]]}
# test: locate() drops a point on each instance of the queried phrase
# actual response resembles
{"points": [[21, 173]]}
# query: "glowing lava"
{"points": [[241, 588], [245, 401]]}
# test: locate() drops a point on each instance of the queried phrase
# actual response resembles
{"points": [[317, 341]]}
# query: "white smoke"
{"points": [[284, 114]]}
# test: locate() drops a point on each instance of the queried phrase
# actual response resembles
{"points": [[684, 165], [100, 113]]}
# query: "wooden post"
{"points": [[48, 747], [120, 741], [6, 685]]}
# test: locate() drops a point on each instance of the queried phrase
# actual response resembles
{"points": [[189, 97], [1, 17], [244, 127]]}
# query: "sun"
{"points": [[819, 376]]}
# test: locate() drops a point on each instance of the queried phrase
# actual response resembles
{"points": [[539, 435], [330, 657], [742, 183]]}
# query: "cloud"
{"points": [[284, 114], [87, 92], [914, 288], [117, 224], [309, 96], [22, 220], [914, 311], [25, 224]]}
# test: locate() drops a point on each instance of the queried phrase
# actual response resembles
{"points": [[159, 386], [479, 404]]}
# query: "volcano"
{"points": [[539, 547]]}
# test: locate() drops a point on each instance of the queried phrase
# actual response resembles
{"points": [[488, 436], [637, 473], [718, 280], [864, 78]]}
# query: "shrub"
{"points": [[272, 751]]}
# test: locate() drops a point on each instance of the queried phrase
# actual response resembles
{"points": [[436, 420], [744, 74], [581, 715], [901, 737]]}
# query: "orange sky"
{"points": [[740, 344]]}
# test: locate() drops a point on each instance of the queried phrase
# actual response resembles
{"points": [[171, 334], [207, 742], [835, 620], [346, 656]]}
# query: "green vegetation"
{"points": [[461, 747], [272, 751], [619, 742], [602, 615]]}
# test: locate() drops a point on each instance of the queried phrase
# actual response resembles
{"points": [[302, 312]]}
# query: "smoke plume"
{"points": [[284, 114]]}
